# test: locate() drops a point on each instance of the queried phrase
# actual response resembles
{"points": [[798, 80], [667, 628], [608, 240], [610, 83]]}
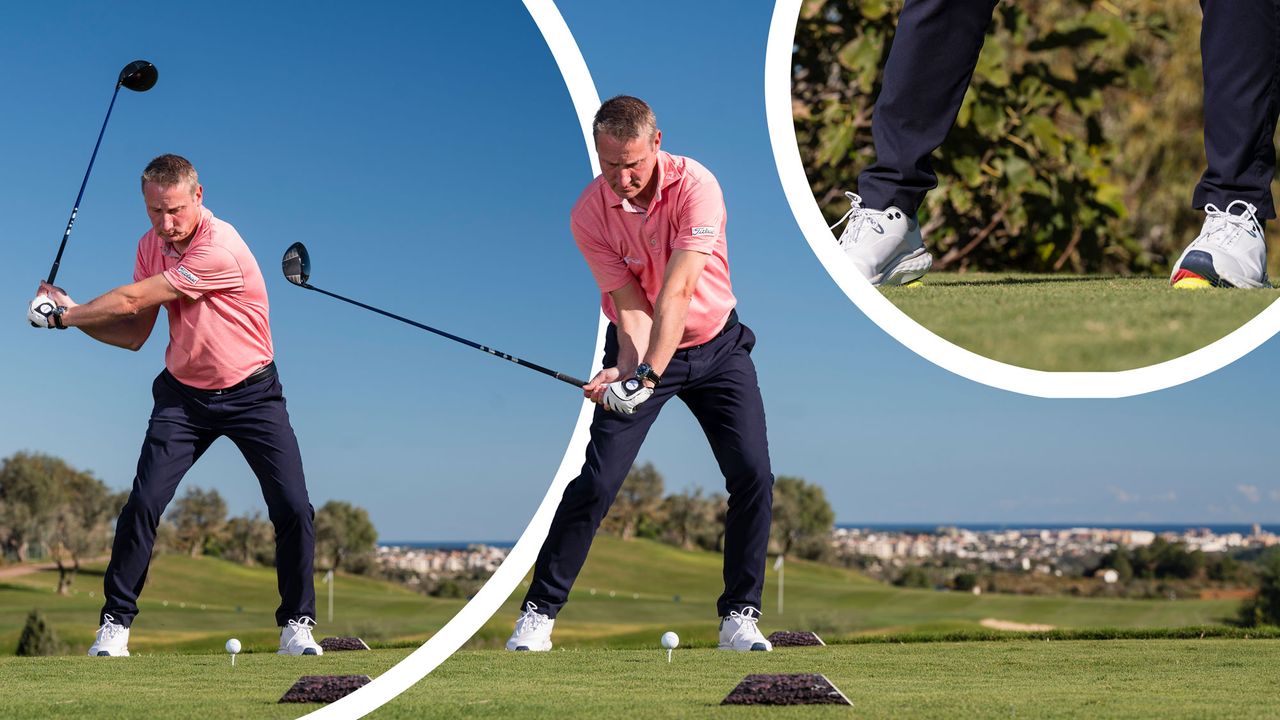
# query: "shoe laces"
{"points": [[110, 629], [1224, 226], [858, 217], [530, 620], [302, 628], [746, 620]]}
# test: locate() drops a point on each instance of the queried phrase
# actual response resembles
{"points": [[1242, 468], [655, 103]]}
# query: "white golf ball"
{"points": [[670, 640], [233, 646]]}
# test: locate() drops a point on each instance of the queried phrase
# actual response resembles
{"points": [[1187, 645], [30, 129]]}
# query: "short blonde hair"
{"points": [[625, 118], [170, 171]]}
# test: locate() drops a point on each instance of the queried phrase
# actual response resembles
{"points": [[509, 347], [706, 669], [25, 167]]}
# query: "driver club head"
{"points": [[139, 76], [296, 264]]}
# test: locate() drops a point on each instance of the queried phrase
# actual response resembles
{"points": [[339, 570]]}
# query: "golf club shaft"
{"points": [[532, 366], [53, 271]]}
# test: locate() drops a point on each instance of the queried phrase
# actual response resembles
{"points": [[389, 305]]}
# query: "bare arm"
{"points": [[672, 308], [635, 323], [635, 320], [123, 317]]}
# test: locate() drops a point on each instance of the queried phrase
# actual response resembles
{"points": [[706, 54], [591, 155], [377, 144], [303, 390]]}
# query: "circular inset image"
{"points": [[1017, 197]]}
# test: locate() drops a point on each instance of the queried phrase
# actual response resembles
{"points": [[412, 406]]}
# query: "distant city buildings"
{"points": [[433, 563], [1028, 549]]}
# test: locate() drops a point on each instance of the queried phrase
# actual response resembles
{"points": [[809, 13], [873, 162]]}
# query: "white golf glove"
{"points": [[625, 396], [40, 312]]}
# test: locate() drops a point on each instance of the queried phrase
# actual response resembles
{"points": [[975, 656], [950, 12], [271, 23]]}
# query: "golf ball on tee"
{"points": [[670, 640], [233, 646]]}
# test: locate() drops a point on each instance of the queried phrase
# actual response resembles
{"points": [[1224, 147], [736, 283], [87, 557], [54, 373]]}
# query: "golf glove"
{"points": [[42, 311], [625, 396]]}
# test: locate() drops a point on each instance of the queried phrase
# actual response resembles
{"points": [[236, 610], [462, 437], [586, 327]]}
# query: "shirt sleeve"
{"points": [[700, 218], [607, 266], [206, 268], [141, 271]]}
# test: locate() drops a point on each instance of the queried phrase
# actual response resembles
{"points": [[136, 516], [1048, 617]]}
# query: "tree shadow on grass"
{"points": [[995, 282], [23, 588]]}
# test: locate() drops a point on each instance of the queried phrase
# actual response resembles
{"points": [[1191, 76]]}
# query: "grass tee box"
{"points": [[1075, 323], [1208, 678], [628, 595]]}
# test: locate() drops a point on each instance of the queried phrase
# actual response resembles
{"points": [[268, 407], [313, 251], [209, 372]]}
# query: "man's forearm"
{"points": [[114, 308], [120, 317], [635, 329], [129, 333], [670, 313]]}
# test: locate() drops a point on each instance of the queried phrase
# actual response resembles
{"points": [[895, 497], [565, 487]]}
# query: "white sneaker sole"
{"points": [[904, 269], [529, 648], [108, 653], [1243, 282], [757, 647]]}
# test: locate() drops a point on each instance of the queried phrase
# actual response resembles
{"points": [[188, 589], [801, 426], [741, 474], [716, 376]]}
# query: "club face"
{"points": [[139, 76], [296, 264]]}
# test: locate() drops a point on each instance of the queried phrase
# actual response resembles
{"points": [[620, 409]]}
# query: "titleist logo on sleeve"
{"points": [[191, 278]]}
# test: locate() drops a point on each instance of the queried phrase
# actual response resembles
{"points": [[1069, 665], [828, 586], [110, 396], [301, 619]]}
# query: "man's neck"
{"points": [[644, 198]]}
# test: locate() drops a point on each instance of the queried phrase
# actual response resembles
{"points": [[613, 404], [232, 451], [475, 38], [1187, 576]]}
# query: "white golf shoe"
{"points": [[296, 639], [112, 640], [884, 245], [739, 632], [533, 631], [1229, 252]]}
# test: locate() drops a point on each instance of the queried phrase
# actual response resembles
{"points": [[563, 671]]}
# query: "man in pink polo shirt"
{"points": [[219, 379], [652, 230]]}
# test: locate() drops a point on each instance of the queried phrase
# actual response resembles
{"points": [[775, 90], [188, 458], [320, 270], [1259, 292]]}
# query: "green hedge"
{"points": [[1076, 149]]}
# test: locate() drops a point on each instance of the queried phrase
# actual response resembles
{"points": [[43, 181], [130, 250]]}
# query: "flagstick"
{"points": [[781, 569]]}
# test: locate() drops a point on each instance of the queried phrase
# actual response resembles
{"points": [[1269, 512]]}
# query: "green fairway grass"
{"points": [[1075, 323], [1015, 678], [892, 649], [195, 604], [628, 594]]}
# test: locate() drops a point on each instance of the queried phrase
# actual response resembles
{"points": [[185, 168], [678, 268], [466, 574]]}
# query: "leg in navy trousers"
{"points": [[934, 53], [718, 383], [184, 423], [1240, 50]]}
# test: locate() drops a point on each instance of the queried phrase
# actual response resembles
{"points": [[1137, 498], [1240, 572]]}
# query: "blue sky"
{"points": [[428, 155]]}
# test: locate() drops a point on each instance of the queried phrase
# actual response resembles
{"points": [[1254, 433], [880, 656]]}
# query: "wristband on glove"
{"points": [[57, 317]]}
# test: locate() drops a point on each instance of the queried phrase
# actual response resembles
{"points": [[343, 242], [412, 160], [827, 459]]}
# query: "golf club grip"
{"points": [[496, 353], [75, 209]]}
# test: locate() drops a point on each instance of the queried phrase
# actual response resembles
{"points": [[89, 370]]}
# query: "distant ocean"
{"points": [[1216, 528], [446, 544]]}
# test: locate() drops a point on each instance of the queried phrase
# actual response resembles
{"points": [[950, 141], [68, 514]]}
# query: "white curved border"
{"points": [[517, 564], [786, 154]]}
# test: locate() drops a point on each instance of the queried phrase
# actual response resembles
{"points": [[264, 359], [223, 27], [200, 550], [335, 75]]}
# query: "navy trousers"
{"points": [[184, 423], [717, 381], [934, 53], [1240, 50]]}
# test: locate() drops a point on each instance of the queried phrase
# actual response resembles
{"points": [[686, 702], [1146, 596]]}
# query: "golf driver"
{"points": [[297, 270], [138, 76]]}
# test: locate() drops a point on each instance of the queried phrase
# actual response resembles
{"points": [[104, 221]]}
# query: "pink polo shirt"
{"points": [[622, 242], [219, 333]]}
